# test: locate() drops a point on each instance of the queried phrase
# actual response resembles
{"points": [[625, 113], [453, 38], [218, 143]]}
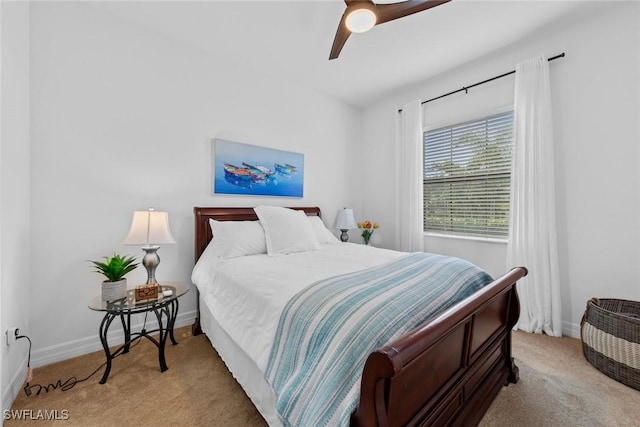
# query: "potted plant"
{"points": [[114, 269]]}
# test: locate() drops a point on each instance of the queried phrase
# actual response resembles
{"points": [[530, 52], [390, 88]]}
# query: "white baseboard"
{"points": [[570, 329], [64, 351], [15, 385]]}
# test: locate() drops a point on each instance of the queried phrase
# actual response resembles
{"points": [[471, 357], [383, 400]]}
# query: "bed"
{"points": [[447, 371]]}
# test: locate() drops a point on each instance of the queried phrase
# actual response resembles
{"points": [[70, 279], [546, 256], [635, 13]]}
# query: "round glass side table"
{"points": [[165, 308]]}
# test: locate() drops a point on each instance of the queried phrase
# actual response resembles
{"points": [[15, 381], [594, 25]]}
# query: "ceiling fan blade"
{"points": [[342, 34], [389, 12]]}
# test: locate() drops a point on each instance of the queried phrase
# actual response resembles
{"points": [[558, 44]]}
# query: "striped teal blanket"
{"points": [[327, 330]]}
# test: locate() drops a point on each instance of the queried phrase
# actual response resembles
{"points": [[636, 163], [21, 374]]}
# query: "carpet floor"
{"points": [[557, 387]]}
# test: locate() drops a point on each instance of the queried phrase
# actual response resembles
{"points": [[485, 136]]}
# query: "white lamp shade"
{"points": [[345, 220], [149, 228]]}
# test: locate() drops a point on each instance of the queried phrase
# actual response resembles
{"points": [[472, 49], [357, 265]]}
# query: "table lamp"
{"points": [[150, 228], [345, 221]]}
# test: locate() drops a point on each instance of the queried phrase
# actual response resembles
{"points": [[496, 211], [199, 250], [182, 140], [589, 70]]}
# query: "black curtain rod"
{"points": [[466, 88]]}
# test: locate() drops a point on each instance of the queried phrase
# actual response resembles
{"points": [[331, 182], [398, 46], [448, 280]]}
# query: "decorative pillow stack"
{"points": [[278, 231]]}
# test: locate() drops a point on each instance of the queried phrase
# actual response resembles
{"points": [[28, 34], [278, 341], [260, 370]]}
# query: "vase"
{"points": [[112, 291]]}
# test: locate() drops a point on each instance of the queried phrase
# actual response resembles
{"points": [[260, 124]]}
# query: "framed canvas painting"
{"points": [[252, 170]]}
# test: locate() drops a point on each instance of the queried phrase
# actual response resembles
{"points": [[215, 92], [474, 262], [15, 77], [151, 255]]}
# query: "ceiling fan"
{"points": [[363, 15]]}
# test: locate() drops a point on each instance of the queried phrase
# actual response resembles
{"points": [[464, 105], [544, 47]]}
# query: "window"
{"points": [[467, 175]]}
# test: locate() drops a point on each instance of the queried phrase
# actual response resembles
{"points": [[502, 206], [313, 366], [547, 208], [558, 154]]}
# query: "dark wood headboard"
{"points": [[203, 214]]}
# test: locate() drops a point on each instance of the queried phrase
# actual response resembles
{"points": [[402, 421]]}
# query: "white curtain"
{"points": [[532, 227], [409, 165]]}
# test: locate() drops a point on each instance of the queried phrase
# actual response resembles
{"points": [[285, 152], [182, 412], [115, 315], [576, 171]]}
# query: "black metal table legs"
{"points": [[167, 312]]}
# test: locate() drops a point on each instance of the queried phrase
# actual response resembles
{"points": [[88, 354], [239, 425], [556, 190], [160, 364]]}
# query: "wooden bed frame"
{"points": [[446, 372]]}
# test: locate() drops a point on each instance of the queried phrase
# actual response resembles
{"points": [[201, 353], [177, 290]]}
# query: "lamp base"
{"points": [[150, 261], [344, 236]]}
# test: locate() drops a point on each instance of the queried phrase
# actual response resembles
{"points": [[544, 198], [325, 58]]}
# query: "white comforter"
{"points": [[247, 294]]}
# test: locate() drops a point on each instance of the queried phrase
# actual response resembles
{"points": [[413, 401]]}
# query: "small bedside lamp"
{"points": [[345, 221], [150, 228]]}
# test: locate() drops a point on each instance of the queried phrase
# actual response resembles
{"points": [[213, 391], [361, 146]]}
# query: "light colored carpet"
{"points": [[197, 390], [557, 387]]}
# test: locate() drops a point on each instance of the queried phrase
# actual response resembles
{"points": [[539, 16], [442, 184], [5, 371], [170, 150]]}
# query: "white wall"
{"points": [[14, 194], [596, 110], [122, 119]]}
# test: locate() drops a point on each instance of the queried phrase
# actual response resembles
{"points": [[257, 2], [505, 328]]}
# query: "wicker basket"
{"points": [[610, 333]]}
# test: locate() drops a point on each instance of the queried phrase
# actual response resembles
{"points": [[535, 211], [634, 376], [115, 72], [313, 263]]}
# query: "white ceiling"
{"points": [[292, 39]]}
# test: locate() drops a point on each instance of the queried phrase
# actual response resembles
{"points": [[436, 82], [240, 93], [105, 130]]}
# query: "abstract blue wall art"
{"points": [[252, 170]]}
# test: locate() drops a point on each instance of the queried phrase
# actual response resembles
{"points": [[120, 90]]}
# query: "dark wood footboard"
{"points": [[448, 371]]}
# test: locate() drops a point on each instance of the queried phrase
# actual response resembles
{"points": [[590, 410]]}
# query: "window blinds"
{"points": [[467, 170]]}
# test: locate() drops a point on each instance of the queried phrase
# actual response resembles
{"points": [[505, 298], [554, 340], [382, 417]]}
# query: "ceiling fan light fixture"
{"points": [[361, 18]]}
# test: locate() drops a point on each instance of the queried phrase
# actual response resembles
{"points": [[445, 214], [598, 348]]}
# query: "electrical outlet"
{"points": [[10, 335]]}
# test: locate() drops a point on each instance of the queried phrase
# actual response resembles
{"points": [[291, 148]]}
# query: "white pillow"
{"points": [[233, 239], [322, 234], [201, 273], [286, 230]]}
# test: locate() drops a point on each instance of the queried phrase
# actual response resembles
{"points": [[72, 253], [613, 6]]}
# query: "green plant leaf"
{"points": [[116, 267]]}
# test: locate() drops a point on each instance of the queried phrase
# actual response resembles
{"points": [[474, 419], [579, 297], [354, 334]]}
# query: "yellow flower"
{"points": [[367, 228]]}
